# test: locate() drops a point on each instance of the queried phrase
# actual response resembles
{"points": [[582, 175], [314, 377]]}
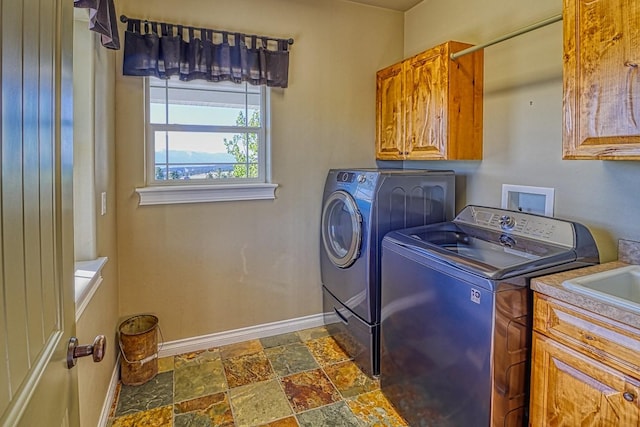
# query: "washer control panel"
{"points": [[531, 226]]}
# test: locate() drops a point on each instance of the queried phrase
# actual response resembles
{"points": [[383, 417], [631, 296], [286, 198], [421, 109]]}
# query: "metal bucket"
{"points": [[139, 348]]}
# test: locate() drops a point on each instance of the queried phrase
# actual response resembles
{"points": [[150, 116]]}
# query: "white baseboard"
{"points": [[203, 342], [111, 393]]}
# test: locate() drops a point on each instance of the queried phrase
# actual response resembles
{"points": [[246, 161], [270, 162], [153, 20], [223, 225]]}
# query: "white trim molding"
{"points": [[88, 278], [173, 194], [111, 394], [203, 342]]}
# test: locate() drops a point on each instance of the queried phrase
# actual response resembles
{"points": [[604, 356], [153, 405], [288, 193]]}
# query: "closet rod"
{"points": [[527, 29]]}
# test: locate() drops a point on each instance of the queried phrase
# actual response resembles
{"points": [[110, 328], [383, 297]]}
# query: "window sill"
{"points": [[88, 278], [167, 195]]}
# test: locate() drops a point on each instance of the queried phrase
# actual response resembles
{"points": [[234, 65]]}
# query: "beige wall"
{"points": [[101, 315], [522, 117], [206, 268]]}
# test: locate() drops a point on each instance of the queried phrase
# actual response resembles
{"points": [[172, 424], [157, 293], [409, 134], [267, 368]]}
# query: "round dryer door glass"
{"points": [[341, 229]]}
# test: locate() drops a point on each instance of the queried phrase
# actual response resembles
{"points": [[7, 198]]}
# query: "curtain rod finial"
{"points": [[123, 18], [290, 41]]}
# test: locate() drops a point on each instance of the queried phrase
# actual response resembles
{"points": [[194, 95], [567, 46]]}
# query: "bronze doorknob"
{"points": [[96, 350]]}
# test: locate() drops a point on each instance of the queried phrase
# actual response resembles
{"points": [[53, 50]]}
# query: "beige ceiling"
{"points": [[401, 5]]}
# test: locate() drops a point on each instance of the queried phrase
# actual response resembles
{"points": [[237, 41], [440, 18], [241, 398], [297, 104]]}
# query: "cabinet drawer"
{"points": [[606, 340]]}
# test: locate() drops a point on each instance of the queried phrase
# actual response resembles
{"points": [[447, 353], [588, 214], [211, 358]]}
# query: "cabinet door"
{"points": [[390, 113], [427, 88], [570, 389], [601, 102]]}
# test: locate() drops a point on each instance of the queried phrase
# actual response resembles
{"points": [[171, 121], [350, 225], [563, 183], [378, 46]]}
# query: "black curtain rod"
{"points": [[125, 19]]}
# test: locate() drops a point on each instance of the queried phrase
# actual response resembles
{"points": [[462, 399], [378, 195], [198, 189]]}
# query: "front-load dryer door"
{"points": [[341, 229]]}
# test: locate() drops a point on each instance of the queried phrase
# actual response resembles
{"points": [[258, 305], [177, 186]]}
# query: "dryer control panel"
{"points": [[345, 177]]}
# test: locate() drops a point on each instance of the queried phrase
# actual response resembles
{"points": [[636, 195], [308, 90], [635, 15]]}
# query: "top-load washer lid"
{"points": [[496, 243]]}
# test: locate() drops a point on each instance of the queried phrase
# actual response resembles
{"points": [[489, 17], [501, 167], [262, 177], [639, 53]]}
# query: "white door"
{"points": [[36, 217]]}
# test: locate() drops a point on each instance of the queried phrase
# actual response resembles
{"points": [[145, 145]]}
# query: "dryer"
{"points": [[359, 207]]}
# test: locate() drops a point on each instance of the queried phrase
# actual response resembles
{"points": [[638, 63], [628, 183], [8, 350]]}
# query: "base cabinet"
{"points": [[571, 389], [584, 369]]}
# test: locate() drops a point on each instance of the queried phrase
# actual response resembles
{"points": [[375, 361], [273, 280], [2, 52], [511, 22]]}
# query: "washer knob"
{"points": [[362, 178], [507, 222]]}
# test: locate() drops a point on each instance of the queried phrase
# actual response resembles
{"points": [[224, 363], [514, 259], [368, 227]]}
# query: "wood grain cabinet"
{"points": [[429, 107], [585, 368], [601, 105]]}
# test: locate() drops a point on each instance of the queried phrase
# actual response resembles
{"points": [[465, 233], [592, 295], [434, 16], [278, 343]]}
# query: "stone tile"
{"points": [[290, 359], [336, 415], [158, 417], [313, 333], [259, 403], [165, 364], [247, 369], [155, 393], [308, 390], [374, 410], [285, 422], [278, 340], [198, 374], [350, 380], [213, 410], [240, 349], [326, 351]]}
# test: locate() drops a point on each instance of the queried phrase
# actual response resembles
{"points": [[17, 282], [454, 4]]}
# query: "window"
{"points": [[206, 142]]}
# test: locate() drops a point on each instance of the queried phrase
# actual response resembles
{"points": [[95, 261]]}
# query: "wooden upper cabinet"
{"points": [[390, 112], [601, 104], [429, 107]]}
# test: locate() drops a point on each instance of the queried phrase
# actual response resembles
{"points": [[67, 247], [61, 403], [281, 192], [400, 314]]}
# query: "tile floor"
{"points": [[297, 379]]}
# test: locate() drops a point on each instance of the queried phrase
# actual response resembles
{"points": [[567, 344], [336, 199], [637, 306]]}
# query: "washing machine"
{"points": [[457, 313], [359, 207]]}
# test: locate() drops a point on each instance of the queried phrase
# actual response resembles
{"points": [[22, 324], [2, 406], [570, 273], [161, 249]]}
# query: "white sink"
{"points": [[619, 287]]}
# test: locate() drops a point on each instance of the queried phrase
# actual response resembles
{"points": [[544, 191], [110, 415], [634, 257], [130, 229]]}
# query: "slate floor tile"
{"points": [[290, 359], [251, 368], [198, 374], [336, 415], [155, 393], [259, 403], [326, 351], [308, 390]]}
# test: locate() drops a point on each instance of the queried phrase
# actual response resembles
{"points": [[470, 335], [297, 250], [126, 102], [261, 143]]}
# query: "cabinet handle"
{"points": [[628, 396]]}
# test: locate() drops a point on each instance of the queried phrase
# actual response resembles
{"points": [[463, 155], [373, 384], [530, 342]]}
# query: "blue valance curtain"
{"points": [[163, 50]]}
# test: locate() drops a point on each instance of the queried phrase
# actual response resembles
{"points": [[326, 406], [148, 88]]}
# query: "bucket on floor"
{"points": [[139, 348]]}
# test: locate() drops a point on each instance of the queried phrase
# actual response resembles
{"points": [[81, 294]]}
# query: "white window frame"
{"points": [[158, 192]]}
